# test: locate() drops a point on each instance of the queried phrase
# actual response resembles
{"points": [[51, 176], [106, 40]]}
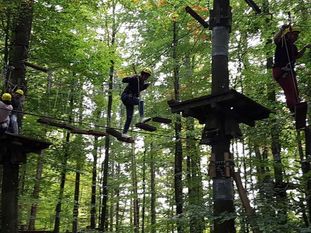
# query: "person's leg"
{"points": [[129, 116], [141, 109], [13, 124], [289, 86]]}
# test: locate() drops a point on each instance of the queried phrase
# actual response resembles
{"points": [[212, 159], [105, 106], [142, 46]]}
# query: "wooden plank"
{"points": [[162, 120], [146, 127], [52, 122], [115, 133], [89, 132]]}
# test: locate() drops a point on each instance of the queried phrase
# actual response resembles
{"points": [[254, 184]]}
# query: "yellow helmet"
{"points": [[19, 91], [290, 29], [147, 70], [6, 97]]}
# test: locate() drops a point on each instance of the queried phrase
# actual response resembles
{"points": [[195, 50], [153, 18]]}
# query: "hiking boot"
{"points": [[145, 119], [126, 136]]}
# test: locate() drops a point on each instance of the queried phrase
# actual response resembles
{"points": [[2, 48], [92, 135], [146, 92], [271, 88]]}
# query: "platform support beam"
{"points": [[9, 210], [13, 151]]}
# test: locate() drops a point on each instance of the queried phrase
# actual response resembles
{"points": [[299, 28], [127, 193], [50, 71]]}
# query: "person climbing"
{"points": [[131, 96], [5, 111], [16, 115], [285, 56]]}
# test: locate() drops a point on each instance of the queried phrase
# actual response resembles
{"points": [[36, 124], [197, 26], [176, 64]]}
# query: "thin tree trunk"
{"points": [[79, 165], [306, 167], [117, 188], [178, 146], [35, 194], [144, 195], [135, 192], [194, 179], [152, 191], [104, 216], [76, 201], [58, 208], [94, 185], [117, 193]]}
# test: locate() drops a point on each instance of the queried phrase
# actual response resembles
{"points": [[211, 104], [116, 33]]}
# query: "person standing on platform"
{"points": [[16, 115], [5, 111]]}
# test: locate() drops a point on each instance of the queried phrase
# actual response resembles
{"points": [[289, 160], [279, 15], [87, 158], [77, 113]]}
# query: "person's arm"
{"points": [[126, 79], [129, 79], [302, 51], [278, 35], [145, 86]]}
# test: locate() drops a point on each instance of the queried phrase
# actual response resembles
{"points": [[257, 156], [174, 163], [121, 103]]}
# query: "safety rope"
{"points": [[290, 67]]}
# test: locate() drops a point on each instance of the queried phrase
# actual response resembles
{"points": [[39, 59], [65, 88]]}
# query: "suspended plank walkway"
{"points": [[52, 122]]}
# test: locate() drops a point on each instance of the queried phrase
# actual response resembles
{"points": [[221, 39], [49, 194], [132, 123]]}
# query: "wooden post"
{"points": [[13, 151]]}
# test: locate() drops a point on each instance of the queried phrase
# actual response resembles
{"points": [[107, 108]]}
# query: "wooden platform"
{"points": [[27, 144], [231, 103]]}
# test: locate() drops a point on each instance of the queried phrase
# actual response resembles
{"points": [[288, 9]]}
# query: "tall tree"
{"points": [[178, 145]]}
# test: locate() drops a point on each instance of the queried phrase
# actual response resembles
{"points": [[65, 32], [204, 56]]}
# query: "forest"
{"points": [[70, 57]]}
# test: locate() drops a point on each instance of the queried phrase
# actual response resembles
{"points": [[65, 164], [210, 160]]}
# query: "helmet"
{"points": [[6, 97], [19, 91], [146, 70], [290, 29]]}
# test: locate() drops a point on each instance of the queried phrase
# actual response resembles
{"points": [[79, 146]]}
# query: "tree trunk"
{"points": [[144, 195], [178, 146], [20, 45], [194, 180], [117, 193], [152, 192], [79, 165], [76, 201], [306, 167], [94, 185], [222, 185], [35, 194], [104, 216], [58, 208], [135, 191]]}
